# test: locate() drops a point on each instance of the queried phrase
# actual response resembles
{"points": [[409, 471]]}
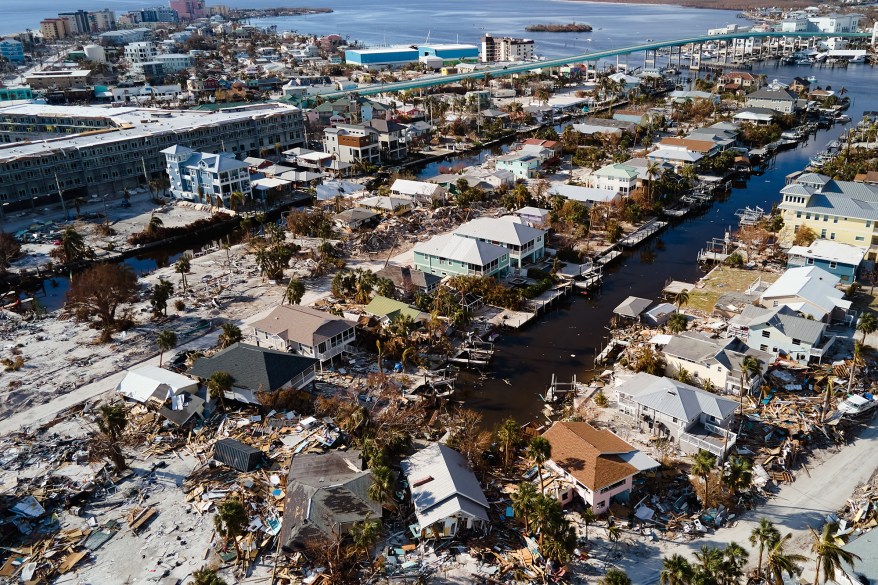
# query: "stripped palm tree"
{"points": [[831, 556], [780, 562]]}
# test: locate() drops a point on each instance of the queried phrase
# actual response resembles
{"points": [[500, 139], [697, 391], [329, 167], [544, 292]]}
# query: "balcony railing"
{"points": [[819, 352]]}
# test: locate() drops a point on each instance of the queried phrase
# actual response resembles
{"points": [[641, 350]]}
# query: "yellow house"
{"points": [[841, 211]]}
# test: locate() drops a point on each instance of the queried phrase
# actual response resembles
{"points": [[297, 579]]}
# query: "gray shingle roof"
{"points": [[253, 368], [676, 399], [303, 324]]}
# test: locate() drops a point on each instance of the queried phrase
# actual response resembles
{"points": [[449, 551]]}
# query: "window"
{"points": [[763, 348], [868, 223], [860, 238], [809, 261], [766, 333], [798, 214], [832, 236], [833, 264], [797, 341]]}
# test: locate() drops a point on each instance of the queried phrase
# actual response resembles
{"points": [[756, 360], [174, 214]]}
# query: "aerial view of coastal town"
{"points": [[496, 292]]}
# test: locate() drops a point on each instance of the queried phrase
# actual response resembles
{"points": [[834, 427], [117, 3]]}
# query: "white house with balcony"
{"points": [[691, 418], [305, 331], [525, 244], [618, 177], [782, 331], [350, 143], [195, 176], [456, 255]]}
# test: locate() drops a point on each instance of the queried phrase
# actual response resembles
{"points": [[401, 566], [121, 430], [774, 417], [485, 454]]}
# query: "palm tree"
{"points": [[615, 577], [779, 561], [230, 521], [765, 535], [732, 566], [154, 225], [539, 450], [867, 325], [365, 534], [218, 384], [588, 517], [702, 466], [830, 555], [230, 336], [73, 247], [235, 199], [614, 532], [739, 475], [508, 433], [182, 266], [681, 298], [857, 360], [677, 323], [710, 560], [166, 340], [294, 292], [523, 502], [205, 576], [750, 367], [676, 570], [112, 420], [653, 170], [381, 489]]}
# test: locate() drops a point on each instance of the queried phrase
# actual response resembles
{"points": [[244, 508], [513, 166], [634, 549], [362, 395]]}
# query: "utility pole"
{"points": [[61, 197]]}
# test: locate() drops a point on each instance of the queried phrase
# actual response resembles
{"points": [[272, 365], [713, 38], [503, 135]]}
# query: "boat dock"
{"points": [[613, 349], [717, 251], [645, 232], [558, 391]]}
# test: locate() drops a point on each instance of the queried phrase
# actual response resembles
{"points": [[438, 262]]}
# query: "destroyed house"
{"points": [[254, 370], [326, 494], [690, 417], [409, 280], [593, 463], [446, 495], [304, 331]]}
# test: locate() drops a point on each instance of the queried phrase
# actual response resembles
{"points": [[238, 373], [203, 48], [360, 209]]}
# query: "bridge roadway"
{"points": [[433, 81]]}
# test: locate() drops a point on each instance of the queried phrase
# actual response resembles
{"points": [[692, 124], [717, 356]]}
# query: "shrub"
{"points": [[179, 305]]}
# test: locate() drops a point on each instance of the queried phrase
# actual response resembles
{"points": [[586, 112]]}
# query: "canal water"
{"points": [[564, 342]]}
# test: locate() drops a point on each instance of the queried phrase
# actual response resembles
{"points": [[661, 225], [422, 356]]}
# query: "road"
{"points": [[795, 508]]}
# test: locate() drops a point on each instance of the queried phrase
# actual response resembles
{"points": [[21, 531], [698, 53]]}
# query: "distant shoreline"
{"points": [[736, 5], [559, 28]]}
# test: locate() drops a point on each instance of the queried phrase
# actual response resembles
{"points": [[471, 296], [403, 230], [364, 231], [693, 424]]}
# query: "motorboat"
{"points": [[855, 405], [811, 79]]}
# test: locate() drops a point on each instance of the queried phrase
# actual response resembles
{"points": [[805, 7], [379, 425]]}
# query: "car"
{"points": [[855, 404]]}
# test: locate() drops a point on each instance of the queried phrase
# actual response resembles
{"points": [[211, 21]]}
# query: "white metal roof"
{"points": [[503, 229], [461, 249], [141, 383], [830, 251], [407, 187]]}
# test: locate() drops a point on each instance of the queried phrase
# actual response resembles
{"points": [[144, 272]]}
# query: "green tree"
{"points": [[231, 334], [779, 561], [523, 502], [166, 340], [831, 556], [230, 521], [615, 577], [676, 570], [154, 226], [294, 292], [382, 487], [205, 576], [739, 474], [709, 560], [681, 298], [365, 534], [702, 466], [161, 293], [508, 434], [750, 367], [539, 450], [182, 267], [732, 566], [588, 517], [72, 248], [112, 420], [867, 325], [218, 384], [764, 536], [677, 323]]}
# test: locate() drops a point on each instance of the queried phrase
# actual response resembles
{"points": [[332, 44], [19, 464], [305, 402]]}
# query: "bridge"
{"points": [[500, 71]]}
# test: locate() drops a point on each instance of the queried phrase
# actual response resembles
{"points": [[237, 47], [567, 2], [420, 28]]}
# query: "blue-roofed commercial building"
{"points": [[382, 56], [449, 52], [398, 56]]}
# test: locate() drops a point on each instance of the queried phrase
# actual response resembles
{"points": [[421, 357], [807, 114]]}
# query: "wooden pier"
{"points": [[645, 232]]}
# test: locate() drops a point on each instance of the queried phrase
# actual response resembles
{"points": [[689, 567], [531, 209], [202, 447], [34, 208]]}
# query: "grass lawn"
{"points": [[722, 280]]}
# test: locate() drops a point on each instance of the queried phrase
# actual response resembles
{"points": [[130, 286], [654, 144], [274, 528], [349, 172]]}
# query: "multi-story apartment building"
{"points": [[101, 20], [189, 9], [12, 50], [350, 143], [206, 177], [842, 211], [173, 62], [61, 79], [54, 29], [77, 21], [140, 52], [93, 150], [506, 49]]}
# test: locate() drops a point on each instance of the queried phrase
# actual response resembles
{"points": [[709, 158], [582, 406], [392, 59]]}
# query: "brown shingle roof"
{"points": [[302, 324], [689, 144], [589, 454]]}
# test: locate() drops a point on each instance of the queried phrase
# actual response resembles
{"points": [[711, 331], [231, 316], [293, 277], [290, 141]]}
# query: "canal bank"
{"points": [[564, 342]]}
